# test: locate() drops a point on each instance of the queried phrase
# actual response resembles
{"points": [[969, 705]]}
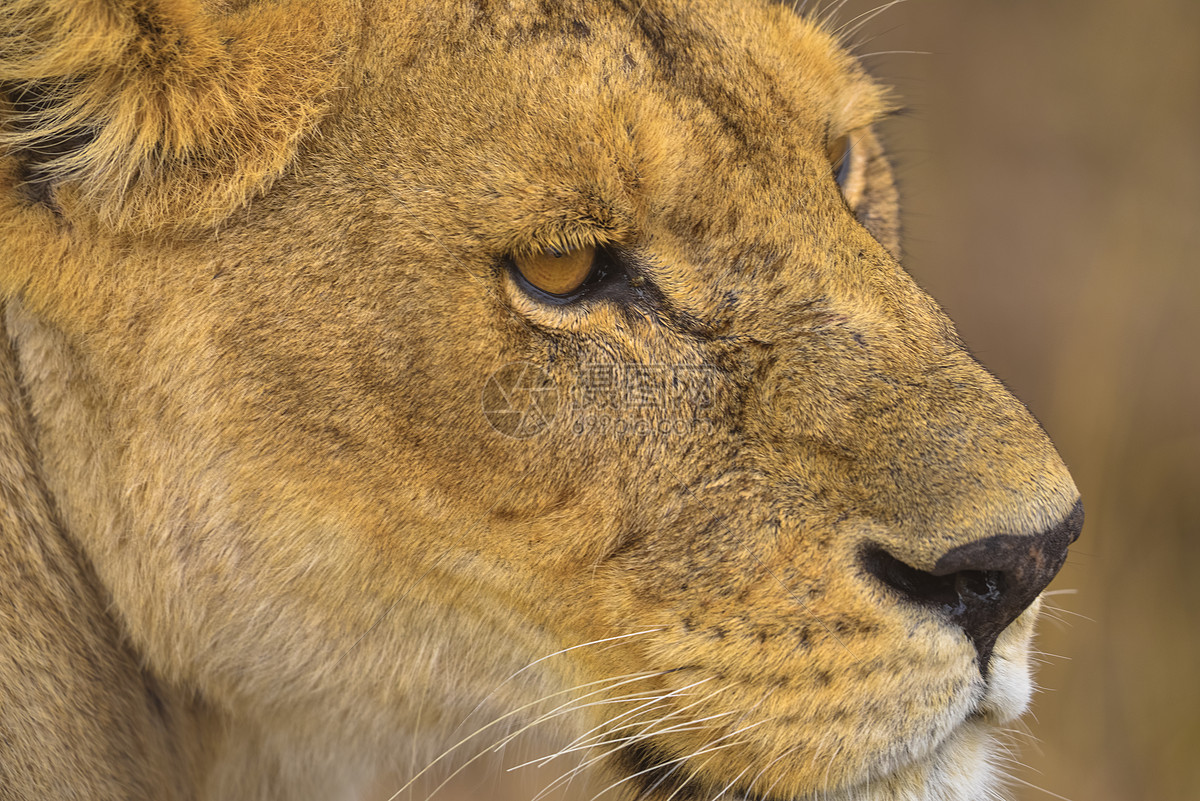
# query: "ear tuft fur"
{"points": [[156, 112]]}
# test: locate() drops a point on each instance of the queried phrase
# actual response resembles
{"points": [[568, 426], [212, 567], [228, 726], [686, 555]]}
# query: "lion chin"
{"points": [[959, 768], [959, 763], [962, 767]]}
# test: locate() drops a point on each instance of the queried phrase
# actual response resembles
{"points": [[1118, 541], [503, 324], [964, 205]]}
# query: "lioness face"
{"points": [[568, 376]]}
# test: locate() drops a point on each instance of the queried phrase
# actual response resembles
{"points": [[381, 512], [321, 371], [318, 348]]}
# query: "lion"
{"points": [[385, 378]]}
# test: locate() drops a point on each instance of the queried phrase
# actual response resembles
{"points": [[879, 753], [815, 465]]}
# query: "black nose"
{"points": [[984, 585]]}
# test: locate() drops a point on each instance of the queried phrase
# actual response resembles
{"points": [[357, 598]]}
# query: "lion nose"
{"points": [[985, 585]]}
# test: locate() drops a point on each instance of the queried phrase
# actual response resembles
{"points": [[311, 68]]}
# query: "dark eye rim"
{"points": [[606, 267]]}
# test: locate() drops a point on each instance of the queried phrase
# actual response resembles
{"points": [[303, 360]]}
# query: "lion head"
{"points": [[391, 362]]}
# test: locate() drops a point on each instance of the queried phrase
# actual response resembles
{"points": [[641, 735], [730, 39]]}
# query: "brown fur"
{"points": [[257, 530]]}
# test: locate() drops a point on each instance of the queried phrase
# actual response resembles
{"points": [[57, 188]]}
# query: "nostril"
{"points": [[950, 594], [978, 586], [973, 600], [916, 585], [982, 586]]}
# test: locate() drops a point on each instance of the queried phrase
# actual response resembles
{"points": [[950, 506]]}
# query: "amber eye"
{"points": [[557, 272], [838, 152]]}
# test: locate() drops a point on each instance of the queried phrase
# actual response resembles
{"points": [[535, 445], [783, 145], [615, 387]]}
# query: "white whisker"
{"points": [[610, 683], [732, 782], [895, 53], [647, 733], [1033, 786], [543, 659], [788, 752], [661, 764], [850, 27], [644, 734], [609, 723], [581, 645]]}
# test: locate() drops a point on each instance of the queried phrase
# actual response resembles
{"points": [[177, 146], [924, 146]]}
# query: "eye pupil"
{"points": [[555, 271]]}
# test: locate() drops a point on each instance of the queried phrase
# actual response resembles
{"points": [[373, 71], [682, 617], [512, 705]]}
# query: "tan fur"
{"points": [[259, 534]]}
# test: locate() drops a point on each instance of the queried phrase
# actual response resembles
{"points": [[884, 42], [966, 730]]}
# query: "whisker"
{"points": [[850, 27], [828, 768], [788, 752], [585, 764], [1033, 786], [664, 777], [489, 696], [695, 772], [691, 725], [558, 711], [829, 13], [1058, 610], [610, 683], [644, 734], [608, 723], [662, 764], [896, 53], [731, 783], [581, 645]]}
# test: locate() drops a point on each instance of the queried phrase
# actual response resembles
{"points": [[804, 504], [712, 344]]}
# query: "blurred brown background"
{"points": [[1051, 172], [1050, 166]]}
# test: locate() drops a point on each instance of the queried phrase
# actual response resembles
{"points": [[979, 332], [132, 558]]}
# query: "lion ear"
{"points": [[157, 112]]}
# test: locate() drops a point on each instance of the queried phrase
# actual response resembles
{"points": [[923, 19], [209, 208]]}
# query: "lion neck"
{"points": [[124, 732]]}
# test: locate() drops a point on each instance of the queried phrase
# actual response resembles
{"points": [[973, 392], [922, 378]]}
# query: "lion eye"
{"points": [[837, 150], [557, 272]]}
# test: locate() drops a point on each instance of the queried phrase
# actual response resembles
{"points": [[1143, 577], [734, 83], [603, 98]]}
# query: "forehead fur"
{"points": [[177, 113], [581, 111], [745, 62]]}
